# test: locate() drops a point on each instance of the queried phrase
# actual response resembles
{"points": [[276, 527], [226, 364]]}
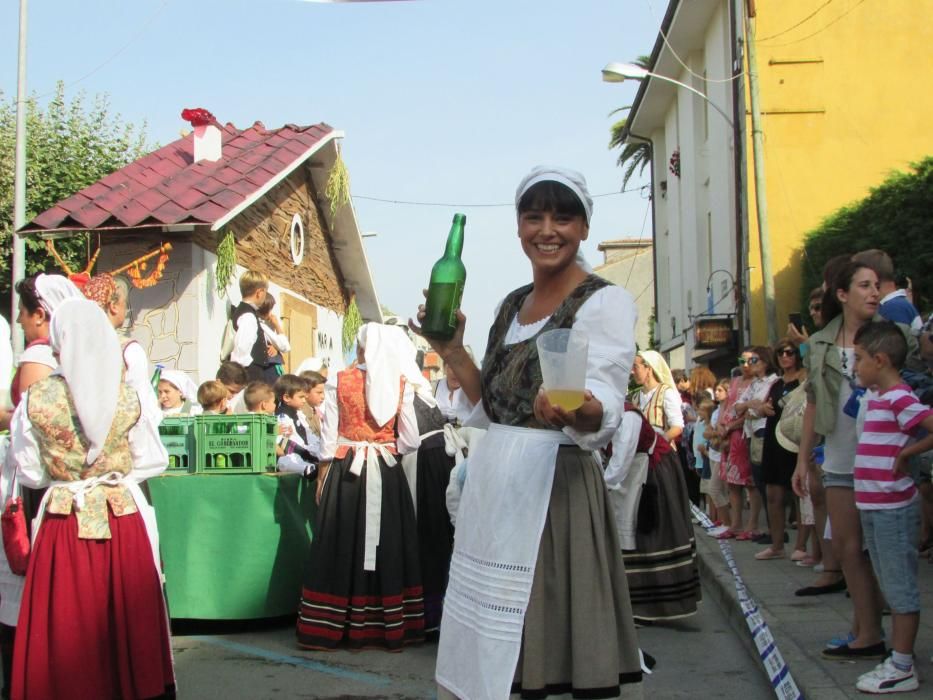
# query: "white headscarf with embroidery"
{"points": [[91, 362]]}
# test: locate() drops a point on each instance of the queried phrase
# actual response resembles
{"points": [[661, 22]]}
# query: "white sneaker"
{"points": [[887, 678]]}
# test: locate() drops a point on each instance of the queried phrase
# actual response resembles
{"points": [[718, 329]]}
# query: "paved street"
{"points": [[801, 626], [261, 662]]}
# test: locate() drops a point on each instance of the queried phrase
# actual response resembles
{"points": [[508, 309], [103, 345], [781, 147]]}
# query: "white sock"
{"points": [[903, 662]]}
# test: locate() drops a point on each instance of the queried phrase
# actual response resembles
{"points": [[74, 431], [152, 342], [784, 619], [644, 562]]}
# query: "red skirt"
{"points": [[92, 622], [738, 463]]}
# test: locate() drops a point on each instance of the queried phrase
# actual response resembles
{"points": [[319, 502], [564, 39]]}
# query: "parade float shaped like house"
{"points": [[266, 187]]}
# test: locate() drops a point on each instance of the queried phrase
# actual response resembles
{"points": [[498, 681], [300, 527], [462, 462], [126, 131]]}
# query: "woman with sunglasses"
{"points": [[832, 404], [751, 405], [778, 464], [738, 469]]}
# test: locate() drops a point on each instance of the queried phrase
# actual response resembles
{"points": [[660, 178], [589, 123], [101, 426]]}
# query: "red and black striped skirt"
{"points": [[341, 604]]}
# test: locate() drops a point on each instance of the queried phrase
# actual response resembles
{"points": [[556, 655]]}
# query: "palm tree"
{"points": [[634, 156]]}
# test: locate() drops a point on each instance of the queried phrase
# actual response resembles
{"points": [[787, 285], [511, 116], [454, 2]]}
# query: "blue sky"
{"points": [[441, 101]]}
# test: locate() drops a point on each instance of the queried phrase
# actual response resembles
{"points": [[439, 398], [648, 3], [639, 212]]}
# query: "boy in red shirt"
{"points": [[886, 496]]}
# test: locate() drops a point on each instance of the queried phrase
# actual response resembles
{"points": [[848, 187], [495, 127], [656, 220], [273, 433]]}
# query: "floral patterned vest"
{"points": [[63, 448], [355, 422], [511, 374]]}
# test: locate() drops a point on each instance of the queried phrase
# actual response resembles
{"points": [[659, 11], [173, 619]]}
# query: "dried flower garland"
{"points": [[136, 268]]}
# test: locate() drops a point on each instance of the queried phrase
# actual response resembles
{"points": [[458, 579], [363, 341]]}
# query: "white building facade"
{"points": [[698, 253]]}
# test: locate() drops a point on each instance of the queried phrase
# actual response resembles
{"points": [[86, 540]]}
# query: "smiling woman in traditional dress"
{"points": [[537, 602]]}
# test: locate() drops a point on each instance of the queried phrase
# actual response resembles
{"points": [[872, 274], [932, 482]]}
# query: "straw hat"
{"points": [[790, 426]]}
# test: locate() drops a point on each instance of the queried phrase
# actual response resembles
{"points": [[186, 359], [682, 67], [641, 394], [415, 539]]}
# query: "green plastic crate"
{"points": [[238, 444], [177, 434]]}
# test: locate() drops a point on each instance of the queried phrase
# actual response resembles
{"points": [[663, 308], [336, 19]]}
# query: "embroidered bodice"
{"points": [[355, 422], [511, 374], [63, 448]]}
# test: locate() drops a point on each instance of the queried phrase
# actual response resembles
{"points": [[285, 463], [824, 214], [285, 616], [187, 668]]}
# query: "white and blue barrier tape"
{"points": [[781, 679]]}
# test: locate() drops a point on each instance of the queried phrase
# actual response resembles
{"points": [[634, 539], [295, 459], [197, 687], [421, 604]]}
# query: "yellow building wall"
{"points": [[846, 99]]}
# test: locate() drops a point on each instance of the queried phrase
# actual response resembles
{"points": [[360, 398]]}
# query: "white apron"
{"points": [[626, 497], [454, 446], [501, 517], [78, 489]]}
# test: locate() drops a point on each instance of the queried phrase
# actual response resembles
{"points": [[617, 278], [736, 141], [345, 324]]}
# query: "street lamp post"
{"points": [[619, 72], [19, 181]]}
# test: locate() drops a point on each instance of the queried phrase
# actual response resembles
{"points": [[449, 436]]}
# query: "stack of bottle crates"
{"points": [[219, 444]]}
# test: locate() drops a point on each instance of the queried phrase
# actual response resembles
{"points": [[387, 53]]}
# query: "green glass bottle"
{"points": [[156, 376], [446, 288]]}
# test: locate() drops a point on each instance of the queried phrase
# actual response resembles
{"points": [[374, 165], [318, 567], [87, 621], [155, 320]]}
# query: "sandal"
{"points": [[746, 536], [727, 535], [808, 562], [798, 555], [766, 554]]}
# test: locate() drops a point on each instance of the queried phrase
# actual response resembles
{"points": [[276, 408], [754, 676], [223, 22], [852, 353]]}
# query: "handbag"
{"points": [[15, 534], [756, 448]]}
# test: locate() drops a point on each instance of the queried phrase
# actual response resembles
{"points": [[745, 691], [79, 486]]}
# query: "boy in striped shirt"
{"points": [[886, 496]]}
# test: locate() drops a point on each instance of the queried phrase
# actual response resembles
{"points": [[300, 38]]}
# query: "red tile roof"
{"points": [[166, 187]]}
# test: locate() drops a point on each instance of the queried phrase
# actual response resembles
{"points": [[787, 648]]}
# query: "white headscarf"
{"points": [[181, 381], [53, 290], [410, 370], [310, 364], [657, 363], [91, 362], [384, 363], [569, 178]]}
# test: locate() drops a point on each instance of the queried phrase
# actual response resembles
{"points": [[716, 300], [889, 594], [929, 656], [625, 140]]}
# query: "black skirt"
{"points": [[435, 531], [340, 601], [662, 573]]}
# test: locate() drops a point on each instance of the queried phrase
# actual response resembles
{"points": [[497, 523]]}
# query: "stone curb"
{"points": [[812, 680]]}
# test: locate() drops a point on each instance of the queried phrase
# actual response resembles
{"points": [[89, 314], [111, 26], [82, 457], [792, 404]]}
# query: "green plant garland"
{"points": [[352, 321], [226, 261], [337, 189]]}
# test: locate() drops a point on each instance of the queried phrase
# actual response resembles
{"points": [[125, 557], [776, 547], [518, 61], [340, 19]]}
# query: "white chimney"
{"points": [[207, 144]]}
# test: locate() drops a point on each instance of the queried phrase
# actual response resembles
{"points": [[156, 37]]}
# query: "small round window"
{"points": [[297, 240]]}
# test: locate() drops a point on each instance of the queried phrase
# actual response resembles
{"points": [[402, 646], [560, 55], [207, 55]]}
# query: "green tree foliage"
{"points": [[69, 145], [634, 156], [897, 217]]}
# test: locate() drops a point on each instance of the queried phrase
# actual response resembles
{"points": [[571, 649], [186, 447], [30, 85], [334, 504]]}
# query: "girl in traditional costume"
{"points": [[93, 621], [363, 580], [537, 601], [662, 573]]}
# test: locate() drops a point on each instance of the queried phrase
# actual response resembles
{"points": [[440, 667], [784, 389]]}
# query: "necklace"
{"points": [[844, 358]]}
